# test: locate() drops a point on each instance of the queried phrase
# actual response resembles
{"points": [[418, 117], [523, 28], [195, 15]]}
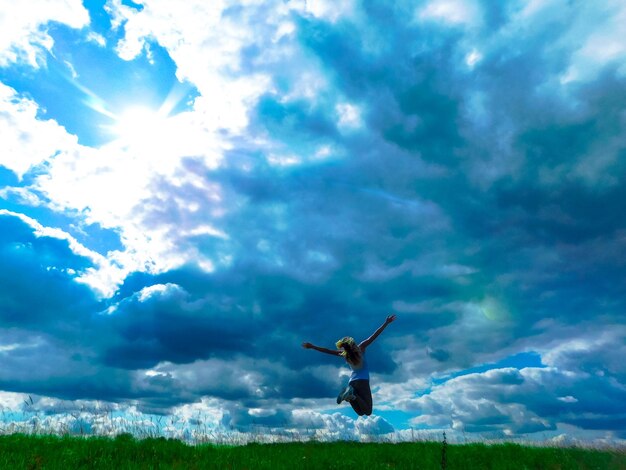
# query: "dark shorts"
{"points": [[362, 404]]}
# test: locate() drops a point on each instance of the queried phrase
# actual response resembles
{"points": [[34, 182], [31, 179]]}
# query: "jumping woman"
{"points": [[358, 392]]}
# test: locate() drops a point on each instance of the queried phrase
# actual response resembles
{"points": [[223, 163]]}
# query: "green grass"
{"points": [[19, 451]]}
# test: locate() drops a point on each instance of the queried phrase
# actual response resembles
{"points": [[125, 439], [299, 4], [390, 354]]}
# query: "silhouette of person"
{"points": [[358, 392]]}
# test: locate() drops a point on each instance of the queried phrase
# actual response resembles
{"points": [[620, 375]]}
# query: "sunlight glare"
{"points": [[139, 125]]}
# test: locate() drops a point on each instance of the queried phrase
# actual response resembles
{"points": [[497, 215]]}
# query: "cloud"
{"points": [[41, 272], [27, 141], [452, 12], [48, 314], [508, 401], [337, 165], [205, 41], [373, 425], [438, 354], [163, 323], [24, 37]]}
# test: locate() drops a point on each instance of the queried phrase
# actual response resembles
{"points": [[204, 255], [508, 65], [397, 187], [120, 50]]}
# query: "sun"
{"points": [[139, 126]]}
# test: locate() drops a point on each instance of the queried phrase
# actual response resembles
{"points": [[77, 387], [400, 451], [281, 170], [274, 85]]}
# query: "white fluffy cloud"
{"points": [[123, 186], [27, 140], [117, 185], [23, 35], [373, 425], [582, 387], [205, 41]]}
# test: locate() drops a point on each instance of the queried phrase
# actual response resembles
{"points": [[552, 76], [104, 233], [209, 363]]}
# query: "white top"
{"points": [[360, 372]]}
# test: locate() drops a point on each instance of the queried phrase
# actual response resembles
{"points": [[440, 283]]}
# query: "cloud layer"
{"points": [[459, 163]]}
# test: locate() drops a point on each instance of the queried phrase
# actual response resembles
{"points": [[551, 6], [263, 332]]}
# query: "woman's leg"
{"points": [[356, 406], [362, 403]]}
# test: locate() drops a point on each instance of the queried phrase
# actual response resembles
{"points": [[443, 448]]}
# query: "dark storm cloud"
{"points": [[261, 315], [47, 318], [38, 277], [469, 199], [440, 355], [408, 103], [164, 324], [526, 197]]}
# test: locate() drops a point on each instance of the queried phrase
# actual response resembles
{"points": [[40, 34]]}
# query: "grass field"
{"points": [[19, 451]]}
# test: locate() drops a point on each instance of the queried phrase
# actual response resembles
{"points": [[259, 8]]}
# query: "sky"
{"points": [[190, 190]]}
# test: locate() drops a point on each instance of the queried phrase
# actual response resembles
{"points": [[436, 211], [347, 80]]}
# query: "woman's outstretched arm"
{"points": [[368, 341], [324, 350]]}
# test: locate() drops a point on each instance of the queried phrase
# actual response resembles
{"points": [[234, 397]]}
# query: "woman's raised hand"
{"points": [[390, 318], [307, 345]]}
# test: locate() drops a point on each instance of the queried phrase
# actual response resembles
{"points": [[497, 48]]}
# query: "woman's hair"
{"points": [[351, 350]]}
